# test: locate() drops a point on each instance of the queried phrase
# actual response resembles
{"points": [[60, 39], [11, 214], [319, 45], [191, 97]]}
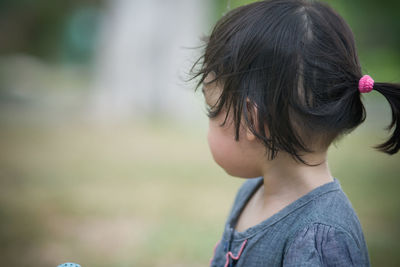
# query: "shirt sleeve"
{"points": [[323, 245]]}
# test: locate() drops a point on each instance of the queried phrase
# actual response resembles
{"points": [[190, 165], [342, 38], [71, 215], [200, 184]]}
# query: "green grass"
{"points": [[149, 194], [128, 195]]}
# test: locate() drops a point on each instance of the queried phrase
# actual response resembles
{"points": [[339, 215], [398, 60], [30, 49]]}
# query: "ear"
{"points": [[252, 112]]}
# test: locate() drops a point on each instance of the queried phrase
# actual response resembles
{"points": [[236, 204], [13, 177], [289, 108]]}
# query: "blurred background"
{"points": [[104, 159]]}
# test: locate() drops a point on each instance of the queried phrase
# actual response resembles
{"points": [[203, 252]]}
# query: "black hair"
{"points": [[295, 63]]}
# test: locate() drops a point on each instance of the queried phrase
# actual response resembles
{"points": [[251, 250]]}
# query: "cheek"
{"points": [[220, 145], [228, 153], [237, 158]]}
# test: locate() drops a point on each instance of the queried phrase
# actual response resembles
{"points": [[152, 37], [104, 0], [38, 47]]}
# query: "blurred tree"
{"points": [[40, 28], [80, 34]]}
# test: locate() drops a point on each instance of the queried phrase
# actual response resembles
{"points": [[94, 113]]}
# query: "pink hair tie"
{"points": [[366, 84]]}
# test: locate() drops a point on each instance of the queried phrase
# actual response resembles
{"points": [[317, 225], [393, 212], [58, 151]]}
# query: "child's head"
{"points": [[288, 71]]}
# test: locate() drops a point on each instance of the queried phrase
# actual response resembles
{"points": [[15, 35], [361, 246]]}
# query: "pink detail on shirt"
{"points": [[230, 254]]}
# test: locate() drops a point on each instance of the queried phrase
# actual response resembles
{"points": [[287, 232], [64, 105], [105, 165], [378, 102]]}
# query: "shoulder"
{"points": [[331, 208], [319, 244]]}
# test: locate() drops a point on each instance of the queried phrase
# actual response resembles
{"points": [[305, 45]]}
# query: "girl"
{"points": [[282, 81]]}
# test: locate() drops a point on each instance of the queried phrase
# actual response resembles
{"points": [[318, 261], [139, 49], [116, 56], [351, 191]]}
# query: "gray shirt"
{"points": [[320, 228]]}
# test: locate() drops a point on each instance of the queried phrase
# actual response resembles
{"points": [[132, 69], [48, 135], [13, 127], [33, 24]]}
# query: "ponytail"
{"points": [[391, 92]]}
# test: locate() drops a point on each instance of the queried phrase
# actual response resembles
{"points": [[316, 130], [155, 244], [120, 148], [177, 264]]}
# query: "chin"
{"points": [[237, 166], [242, 174]]}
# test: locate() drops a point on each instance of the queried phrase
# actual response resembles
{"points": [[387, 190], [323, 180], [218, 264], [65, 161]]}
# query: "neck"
{"points": [[285, 180]]}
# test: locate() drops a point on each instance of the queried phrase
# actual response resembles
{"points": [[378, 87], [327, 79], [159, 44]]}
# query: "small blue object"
{"points": [[69, 264]]}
